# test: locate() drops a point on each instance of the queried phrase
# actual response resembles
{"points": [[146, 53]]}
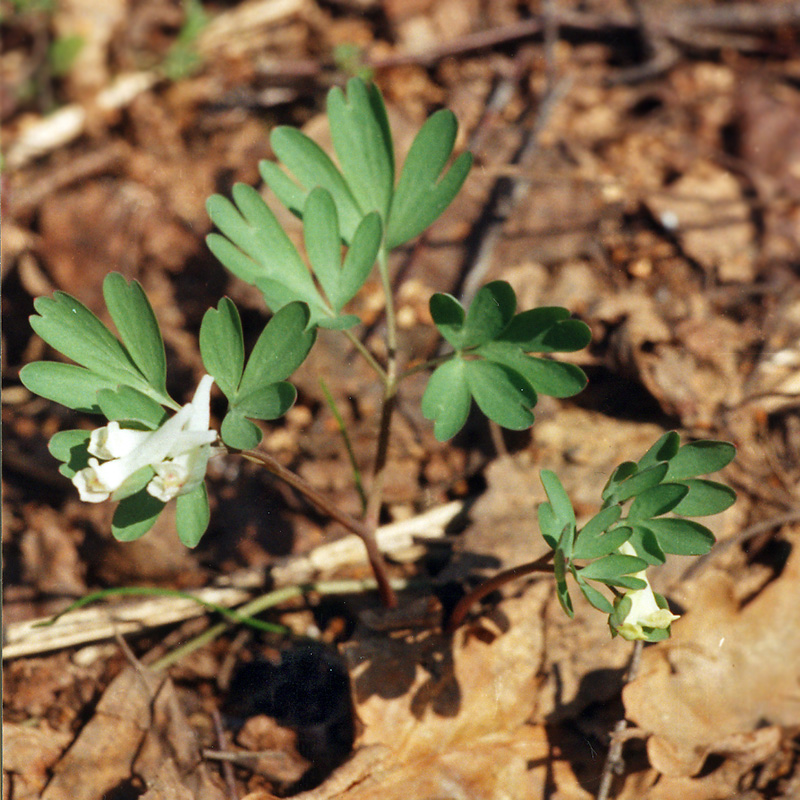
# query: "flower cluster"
{"points": [[177, 453]]}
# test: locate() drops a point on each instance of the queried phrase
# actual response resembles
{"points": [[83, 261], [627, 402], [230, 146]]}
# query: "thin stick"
{"points": [[365, 532], [227, 768], [493, 584], [614, 761]]}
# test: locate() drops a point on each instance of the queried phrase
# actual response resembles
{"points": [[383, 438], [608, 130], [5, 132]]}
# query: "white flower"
{"points": [[645, 613], [178, 452]]}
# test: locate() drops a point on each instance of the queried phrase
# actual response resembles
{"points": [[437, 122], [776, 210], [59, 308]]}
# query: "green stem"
{"points": [[271, 600], [375, 497], [347, 443], [154, 591], [368, 357], [361, 529]]}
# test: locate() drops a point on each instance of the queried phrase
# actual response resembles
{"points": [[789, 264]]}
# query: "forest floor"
{"points": [[635, 162]]}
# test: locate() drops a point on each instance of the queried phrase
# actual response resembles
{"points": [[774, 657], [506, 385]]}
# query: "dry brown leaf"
{"points": [[711, 220], [137, 727], [726, 672], [28, 753]]}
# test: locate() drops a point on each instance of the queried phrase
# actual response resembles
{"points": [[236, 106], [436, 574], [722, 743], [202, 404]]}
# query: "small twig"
{"points": [[614, 762], [227, 767], [360, 529], [493, 584]]}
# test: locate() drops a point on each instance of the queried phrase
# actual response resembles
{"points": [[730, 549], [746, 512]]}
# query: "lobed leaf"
{"points": [[681, 537], [547, 330], [558, 497], [135, 515], [238, 432], [657, 500], [363, 144], [700, 458], [69, 327], [447, 399], [422, 193], [705, 498], [448, 316], [125, 404], [635, 484], [70, 385], [645, 543], [612, 567], [554, 378], [222, 346], [70, 447], [502, 394], [266, 402], [192, 515], [602, 544], [596, 598], [664, 449], [489, 313], [138, 328], [282, 346], [312, 167]]}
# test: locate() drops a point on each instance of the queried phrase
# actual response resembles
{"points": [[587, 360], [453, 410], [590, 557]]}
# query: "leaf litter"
{"points": [[662, 213]]}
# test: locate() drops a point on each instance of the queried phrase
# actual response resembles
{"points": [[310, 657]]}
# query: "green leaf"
{"points": [[637, 483], [700, 458], [682, 537], [422, 193], [222, 346], [597, 599], [71, 448], [558, 497], [489, 313], [547, 330], [620, 473], [282, 347], [560, 575], [663, 450], [626, 582], [323, 242], [69, 327], [238, 432], [554, 378], [600, 522], [447, 399], [601, 544], [134, 483], [657, 500], [645, 543], [360, 258], [312, 167], [135, 515], [138, 328], [612, 567], [192, 515], [71, 386], [448, 316], [125, 404], [705, 498], [324, 248], [363, 144], [502, 394], [267, 402], [253, 231], [549, 526]]}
